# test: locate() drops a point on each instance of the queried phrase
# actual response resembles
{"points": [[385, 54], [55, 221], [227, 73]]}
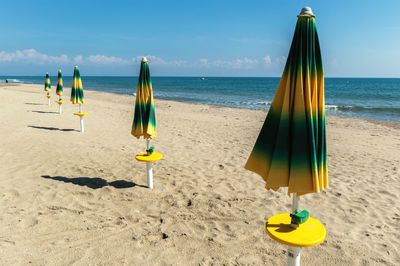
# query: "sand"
{"points": [[71, 198]]}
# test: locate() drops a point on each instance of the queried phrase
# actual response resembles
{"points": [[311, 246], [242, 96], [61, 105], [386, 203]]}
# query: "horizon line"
{"points": [[199, 76]]}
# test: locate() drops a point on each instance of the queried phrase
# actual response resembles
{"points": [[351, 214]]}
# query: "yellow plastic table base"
{"points": [[81, 113], [59, 101], [307, 234], [143, 157]]}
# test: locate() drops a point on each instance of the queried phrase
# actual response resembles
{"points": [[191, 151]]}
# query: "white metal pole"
{"points": [[150, 175], [294, 252], [147, 144], [48, 101], [59, 105], [149, 167], [81, 122], [81, 119], [294, 256], [295, 204]]}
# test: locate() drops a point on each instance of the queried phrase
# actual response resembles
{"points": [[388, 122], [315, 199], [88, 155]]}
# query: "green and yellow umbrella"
{"points": [[77, 88], [77, 96], [59, 91], [144, 120], [290, 150], [47, 87]]}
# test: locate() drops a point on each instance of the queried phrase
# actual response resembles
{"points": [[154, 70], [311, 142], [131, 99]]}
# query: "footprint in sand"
{"points": [[6, 242]]}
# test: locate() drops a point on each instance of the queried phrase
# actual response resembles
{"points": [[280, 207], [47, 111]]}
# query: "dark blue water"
{"points": [[371, 98]]}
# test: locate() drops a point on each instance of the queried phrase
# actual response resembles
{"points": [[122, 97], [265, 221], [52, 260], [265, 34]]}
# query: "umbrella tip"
{"points": [[306, 11], [144, 59], [75, 66]]}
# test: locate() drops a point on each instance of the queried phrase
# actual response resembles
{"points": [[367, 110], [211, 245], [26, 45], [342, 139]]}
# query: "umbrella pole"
{"points": [[294, 252], [149, 166], [294, 256], [59, 106], [81, 119], [295, 203]]}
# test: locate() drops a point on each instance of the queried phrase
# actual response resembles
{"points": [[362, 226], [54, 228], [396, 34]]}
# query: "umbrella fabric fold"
{"points": [[290, 150], [144, 120]]}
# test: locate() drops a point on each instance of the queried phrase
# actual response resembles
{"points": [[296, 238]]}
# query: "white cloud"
{"points": [[78, 59], [267, 60], [158, 61], [32, 56], [281, 60], [203, 62], [103, 59], [239, 63]]}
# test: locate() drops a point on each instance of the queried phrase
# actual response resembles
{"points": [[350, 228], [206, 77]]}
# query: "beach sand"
{"points": [[80, 198]]}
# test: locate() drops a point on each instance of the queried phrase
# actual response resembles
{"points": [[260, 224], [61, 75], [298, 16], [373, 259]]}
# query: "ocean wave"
{"points": [[263, 103], [331, 107], [10, 81], [367, 109]]}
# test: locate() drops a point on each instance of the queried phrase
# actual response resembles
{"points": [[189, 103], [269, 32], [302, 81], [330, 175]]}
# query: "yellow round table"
{"points": [[81, 114], [310, 233], [153, 157], [59, 101], [149, 159]]}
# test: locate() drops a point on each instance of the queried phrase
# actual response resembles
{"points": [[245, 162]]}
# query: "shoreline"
{"points": [[388, 123]]}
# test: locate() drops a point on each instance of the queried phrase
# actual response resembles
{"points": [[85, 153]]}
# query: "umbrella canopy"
{"points": [[77, 88], [144, 120], [59, 90], [291, 148], [47, 83]]}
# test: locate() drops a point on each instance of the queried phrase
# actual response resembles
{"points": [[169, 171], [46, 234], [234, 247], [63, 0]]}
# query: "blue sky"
{"points": [[359, 38]]}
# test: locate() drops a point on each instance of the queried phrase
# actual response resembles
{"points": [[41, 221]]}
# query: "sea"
{"points": [[369, 98]]}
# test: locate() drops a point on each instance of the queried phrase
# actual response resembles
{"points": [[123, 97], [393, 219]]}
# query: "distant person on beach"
{"points": [[6, 80]]}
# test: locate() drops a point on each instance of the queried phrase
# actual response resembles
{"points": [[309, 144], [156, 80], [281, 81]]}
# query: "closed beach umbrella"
{"points": [[77, 95], [144, 120], [59, 91], [290, 150], [77, 88], [47, 87]]}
